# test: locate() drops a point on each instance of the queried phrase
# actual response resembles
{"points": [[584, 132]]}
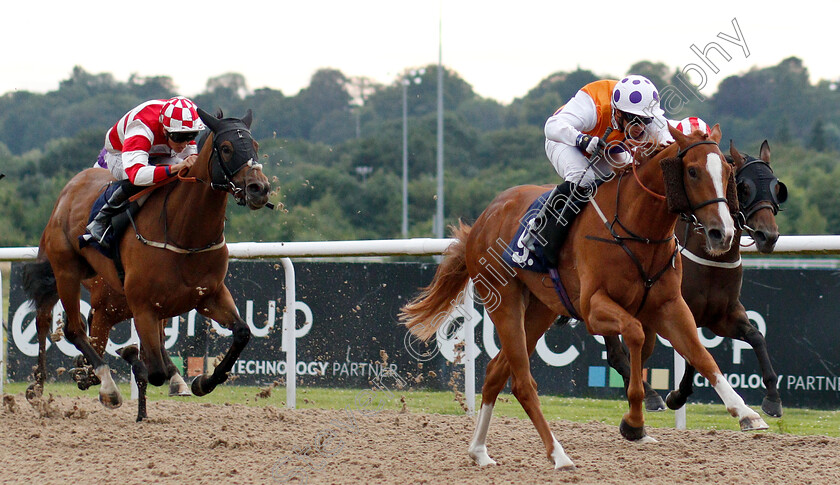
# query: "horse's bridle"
{"points": [[648, 280], [223, 179], [680, 156], [757, 186]]}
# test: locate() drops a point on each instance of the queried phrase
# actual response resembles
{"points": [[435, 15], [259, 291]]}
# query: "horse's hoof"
{"points": [[480, 457], [772, 408], [632, 433], [129, 352], [177, 387], [178, 392], [141, 417], [753, 423], [200, 387], [34, 392], [675, 400], [654, 402], [111, 401]]}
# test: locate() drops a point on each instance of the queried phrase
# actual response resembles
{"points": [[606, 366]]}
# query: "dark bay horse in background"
{"points": [[626, 285], [712, 284], [176, 261]]}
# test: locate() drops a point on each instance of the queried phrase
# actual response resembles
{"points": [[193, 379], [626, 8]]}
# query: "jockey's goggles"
{"points": [[631, 118], [182, 136]]}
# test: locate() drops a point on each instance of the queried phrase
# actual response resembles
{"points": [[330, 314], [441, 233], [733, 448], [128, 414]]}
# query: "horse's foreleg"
{"points": [[606, 317], [772, 403], [738, 326], [222, 309], [681, 331], [141, 376], [678, 397], [618, 358]]}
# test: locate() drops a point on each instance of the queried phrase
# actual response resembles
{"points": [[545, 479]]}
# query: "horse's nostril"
{"points": [[715, 235], [257, 189], [760, 237]]}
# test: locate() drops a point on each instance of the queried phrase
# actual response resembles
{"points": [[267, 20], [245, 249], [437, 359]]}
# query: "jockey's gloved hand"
{"points": [[590, 144]]}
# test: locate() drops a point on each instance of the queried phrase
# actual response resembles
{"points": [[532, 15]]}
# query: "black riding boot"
{"points": [[556, 217], [117, 202]]}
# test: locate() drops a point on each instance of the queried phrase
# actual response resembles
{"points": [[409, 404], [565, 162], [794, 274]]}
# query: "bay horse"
{"points": [[606, 275], [711, 285], [174, 261]]}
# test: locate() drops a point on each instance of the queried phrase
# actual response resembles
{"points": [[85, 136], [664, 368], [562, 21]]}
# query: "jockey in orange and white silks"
{"points": [[595, 131], [150, 143], [620, 114]]}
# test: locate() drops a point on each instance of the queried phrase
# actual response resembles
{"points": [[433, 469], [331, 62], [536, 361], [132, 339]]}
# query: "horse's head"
{"points": [[700, 184], [234, 166], [759, 195]]}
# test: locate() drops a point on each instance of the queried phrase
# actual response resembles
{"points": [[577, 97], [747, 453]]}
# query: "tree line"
{"points": [[334, 149]]}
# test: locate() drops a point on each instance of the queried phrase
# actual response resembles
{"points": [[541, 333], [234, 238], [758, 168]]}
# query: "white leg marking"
{"points": [[561, 459], [735, 404], [177, 386], [715, 167], [109, 395], [478, 445]]}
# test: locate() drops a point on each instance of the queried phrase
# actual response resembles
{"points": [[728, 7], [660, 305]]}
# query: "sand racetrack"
{"points": [[76, 440]]}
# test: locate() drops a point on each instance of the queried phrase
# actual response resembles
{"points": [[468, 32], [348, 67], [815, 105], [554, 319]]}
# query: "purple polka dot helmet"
{"points": [[636, 95]]}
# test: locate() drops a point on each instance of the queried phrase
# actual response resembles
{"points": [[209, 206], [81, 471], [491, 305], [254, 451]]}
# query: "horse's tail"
{"points": [[39, 284], [425, 314]]}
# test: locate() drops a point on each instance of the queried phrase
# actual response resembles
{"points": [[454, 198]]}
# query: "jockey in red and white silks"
{"points": [[147, 145], [140, 148]]}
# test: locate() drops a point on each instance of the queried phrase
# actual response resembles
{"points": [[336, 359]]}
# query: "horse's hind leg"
{"points": [[518, 340], [177, 385], [222, 309], [681, 331], [43, 322], [538, 318], [618, 357], [68, 283]]}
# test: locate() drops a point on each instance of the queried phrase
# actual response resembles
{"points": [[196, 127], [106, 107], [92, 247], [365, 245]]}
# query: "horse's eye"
{"points": [[227, 150], [692, 172]]}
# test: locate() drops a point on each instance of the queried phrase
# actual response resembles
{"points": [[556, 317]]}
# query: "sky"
{"points": [[502, 48]]}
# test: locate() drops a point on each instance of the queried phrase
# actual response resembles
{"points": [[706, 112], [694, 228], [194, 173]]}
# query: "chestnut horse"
{"points": [[626, 285], [712, 284], [174, 261]]}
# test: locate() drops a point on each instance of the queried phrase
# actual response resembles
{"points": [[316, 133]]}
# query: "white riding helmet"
{"points": [[636, 95]]}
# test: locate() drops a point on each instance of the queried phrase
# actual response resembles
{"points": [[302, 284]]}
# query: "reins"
{"points": [[182, 178], [618, 240]]}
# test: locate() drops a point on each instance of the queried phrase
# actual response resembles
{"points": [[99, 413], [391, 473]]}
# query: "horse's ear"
{"points": [[219, 113], [764, 152], [208, 119], [678, 135], [716, 136], [735, 154], [248, 118]]}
